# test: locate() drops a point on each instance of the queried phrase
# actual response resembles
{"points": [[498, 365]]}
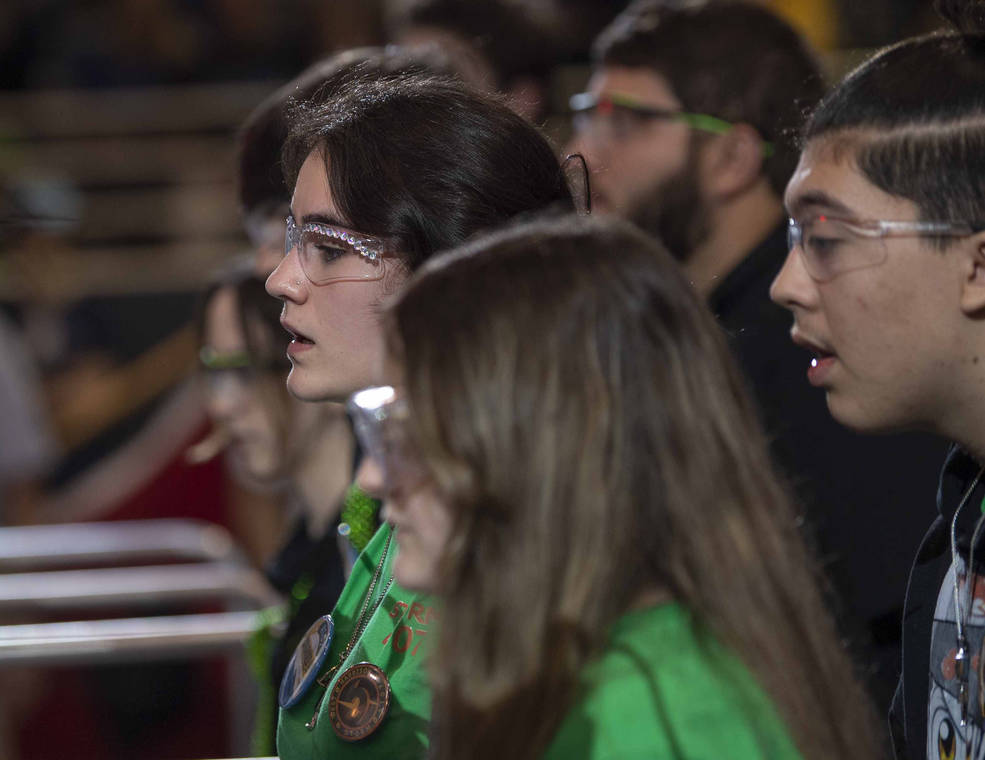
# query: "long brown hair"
{"points": [[580, 414]]}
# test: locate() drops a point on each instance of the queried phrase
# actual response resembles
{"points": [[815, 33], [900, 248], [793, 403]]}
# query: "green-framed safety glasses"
{"points": [[587, 108]]}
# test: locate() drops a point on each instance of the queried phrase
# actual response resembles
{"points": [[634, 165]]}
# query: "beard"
{"points": [[674, 211]]}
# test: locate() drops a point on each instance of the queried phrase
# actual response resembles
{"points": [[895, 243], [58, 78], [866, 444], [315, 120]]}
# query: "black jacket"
{"points": [[865, 497], [928, 583]]}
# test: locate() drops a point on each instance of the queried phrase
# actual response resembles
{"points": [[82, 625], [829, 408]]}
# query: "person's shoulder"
{"points": [[654, 659], [655, 691]]}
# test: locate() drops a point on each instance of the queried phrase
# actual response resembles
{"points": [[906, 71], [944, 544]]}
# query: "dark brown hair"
{"points": [[425, 161], [580, 414], [261, 138], [913, 117], [733, 60]]}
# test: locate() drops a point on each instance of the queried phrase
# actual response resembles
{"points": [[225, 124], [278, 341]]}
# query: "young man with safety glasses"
{"points": [[687, 128]]}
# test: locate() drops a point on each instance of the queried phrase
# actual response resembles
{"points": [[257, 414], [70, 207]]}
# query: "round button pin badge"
{"points": [[308, 657], [359, 702]]}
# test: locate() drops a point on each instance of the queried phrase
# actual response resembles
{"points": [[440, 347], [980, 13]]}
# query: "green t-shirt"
{"points": [[396, 640], [658, 692]]}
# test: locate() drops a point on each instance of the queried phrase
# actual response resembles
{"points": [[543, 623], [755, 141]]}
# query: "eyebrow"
{"points": [[817, 199], [328, 219]]}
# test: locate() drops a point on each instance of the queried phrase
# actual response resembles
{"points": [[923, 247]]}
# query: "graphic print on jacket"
{"points": [[946, 738]]}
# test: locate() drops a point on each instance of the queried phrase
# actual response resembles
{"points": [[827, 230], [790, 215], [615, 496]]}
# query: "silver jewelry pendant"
{"points": [[961, 670]]}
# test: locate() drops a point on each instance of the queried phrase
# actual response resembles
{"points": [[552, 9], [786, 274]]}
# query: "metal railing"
{"points": [[125, 639], [214, 570], [61, 591], [39, 547]]}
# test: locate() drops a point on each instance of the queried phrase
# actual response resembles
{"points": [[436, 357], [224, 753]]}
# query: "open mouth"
{"points": [[818, 350], [820, 356], [822, 359], [298, 337]]}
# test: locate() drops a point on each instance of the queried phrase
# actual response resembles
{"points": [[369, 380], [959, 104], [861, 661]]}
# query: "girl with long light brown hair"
{"points": [[570, 462]]}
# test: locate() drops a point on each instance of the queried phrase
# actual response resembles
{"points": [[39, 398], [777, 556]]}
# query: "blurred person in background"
{"points": [[27, 446], [571, 464], [687, 134], [495, 45], [688, 126], [117, 43], [385, 174], [301, 452], [116, 369], [113, 43]]}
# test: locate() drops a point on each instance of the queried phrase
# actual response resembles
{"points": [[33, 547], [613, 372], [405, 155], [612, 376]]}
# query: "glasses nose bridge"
{"points": [[292, 236], [598, 125], [797, 235], [287, 280]]}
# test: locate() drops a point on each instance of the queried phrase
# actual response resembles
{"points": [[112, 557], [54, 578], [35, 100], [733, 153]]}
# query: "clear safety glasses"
{"points": [[616, 116], [335, 254], [831, 245], [222, 369], [379, 417]]}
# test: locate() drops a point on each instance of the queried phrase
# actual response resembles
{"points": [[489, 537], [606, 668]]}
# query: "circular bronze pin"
{"points": [[359, 702]]}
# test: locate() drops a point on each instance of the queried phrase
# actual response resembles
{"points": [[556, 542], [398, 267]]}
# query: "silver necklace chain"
{"points": [[365, 615], [961, 658]]}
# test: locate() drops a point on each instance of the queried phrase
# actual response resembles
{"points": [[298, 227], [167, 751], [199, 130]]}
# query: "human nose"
{"points": [[288, 281], [793, 286], [369, 477]]}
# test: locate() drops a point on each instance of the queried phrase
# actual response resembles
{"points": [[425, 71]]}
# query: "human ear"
{"points": [[735, 160], [973, 276]]}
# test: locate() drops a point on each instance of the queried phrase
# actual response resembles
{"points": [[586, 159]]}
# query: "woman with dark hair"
{"points": [[301, 453], [619, 571], [393, 170], [385, 174], [263, 197], [886, 282]]}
